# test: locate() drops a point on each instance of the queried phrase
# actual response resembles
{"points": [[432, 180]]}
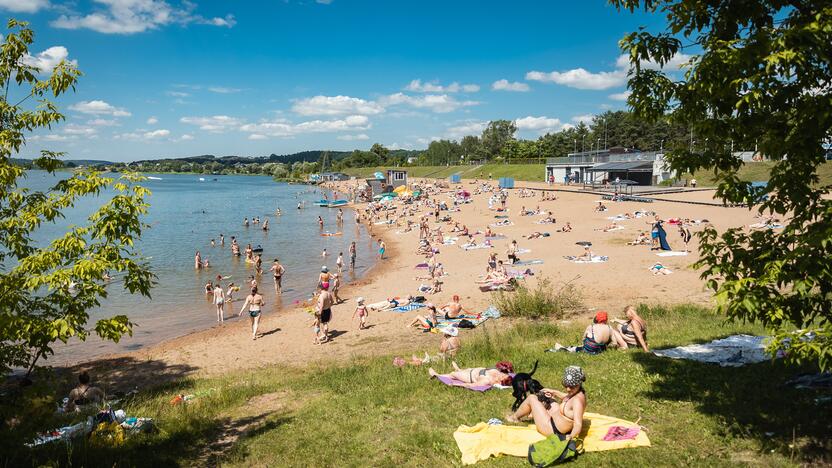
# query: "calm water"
{"points": [[185, 214]]}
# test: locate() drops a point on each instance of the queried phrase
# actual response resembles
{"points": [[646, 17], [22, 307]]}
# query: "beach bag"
{"points": [[465, 323], [552, 451]]}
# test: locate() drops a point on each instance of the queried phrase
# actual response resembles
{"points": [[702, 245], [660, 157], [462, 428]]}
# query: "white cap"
{"points": [[360, 300]]}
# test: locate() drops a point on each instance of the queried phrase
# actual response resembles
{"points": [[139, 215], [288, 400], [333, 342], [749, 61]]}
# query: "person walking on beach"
{"points": [[254, 302], [340, 262], [361, 312], [352, 255], [324, 308], [277, 272], [219, 302], [380, 249]]}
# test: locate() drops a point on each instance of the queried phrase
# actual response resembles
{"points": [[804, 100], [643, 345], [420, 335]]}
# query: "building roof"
{"points": [[632, 166]]}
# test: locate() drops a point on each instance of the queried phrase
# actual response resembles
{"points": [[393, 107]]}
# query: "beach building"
{"points": [[333, 176], [597, 166], [396, 177]]}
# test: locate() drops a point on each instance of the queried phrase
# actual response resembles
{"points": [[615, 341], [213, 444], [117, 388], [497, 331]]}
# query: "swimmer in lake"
{"points": [[245, 222]]}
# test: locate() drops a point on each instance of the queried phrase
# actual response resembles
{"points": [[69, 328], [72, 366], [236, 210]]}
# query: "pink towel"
{"points": [[621, 433]]}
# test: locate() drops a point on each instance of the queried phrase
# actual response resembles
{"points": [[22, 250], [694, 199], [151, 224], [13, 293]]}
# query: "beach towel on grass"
{"points": [[407, 308], [483, 441], [672, 253], [595, 259], [733, 351]]}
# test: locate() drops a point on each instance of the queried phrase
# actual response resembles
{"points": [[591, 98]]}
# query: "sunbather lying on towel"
{"points": [[476, 376], [613, 226], [537, 235], [659, 269], [642, 239]]}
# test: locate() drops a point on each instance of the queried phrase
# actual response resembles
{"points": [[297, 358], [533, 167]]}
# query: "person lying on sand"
{"points": [[537, 235], [642, 239], [564, 420], [659, 269], [613, 226], [475, 376], [549, 219]]}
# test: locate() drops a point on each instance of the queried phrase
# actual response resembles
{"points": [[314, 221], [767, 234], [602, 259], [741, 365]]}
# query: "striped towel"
{"points": [[407, 308]]}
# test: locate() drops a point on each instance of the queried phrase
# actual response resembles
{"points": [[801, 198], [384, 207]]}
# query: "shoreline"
{"points": [[288, 338]]}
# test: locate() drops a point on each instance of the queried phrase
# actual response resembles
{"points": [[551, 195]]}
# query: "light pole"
{"points": [[575, 141], [598, 145]]}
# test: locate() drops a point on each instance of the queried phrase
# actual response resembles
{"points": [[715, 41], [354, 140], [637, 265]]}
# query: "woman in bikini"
{"points": [[255, 303], [598, 335], [219, 302], [631, 333], [477, 376], [565, 420]]}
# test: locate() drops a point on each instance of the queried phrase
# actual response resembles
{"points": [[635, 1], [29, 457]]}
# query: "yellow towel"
{"points": [[482, 441]]}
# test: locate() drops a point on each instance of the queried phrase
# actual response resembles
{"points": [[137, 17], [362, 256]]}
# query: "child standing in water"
{"points": [[340, 262], [361, 312]]}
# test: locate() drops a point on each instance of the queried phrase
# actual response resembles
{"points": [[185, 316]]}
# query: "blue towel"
{"points": [[407, 308]]}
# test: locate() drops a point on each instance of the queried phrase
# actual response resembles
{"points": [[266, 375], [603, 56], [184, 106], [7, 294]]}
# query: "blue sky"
{"points": [[164, 78]]}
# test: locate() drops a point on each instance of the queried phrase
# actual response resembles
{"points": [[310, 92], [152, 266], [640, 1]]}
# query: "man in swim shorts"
{"points": [[325, 301]]}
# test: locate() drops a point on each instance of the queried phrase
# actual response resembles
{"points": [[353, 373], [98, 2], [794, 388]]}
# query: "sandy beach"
{"points": [[624, 279]]}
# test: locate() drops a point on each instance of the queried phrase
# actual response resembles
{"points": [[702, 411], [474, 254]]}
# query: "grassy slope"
{"points": [[369, 413], [534, 172]]}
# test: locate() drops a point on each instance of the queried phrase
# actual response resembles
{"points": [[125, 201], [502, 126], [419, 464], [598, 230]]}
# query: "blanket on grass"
{"points": [[733, 351], [482, 441]]}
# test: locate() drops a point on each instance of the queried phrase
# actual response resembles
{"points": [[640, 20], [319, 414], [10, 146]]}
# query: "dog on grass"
{"points": [[522, 385]]}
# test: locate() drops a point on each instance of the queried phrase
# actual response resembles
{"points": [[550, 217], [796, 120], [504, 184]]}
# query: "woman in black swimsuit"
{"points": [[632, 332]]}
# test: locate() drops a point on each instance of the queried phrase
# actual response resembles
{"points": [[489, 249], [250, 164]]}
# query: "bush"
{"points": [[544, 301]]}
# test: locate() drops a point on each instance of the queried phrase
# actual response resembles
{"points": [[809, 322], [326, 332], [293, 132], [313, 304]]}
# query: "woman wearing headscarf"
{"points": [[564, 419]]}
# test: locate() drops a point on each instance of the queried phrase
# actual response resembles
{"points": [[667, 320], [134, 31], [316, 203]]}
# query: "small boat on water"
{"points": [[321, 203], [337, 203], [154, 178], [202, 179]]}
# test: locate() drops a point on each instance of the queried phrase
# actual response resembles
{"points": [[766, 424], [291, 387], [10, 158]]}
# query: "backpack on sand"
{"points": [[553, 451]]}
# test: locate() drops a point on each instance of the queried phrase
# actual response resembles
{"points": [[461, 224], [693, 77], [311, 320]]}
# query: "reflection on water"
{"points": [[185, 214]]}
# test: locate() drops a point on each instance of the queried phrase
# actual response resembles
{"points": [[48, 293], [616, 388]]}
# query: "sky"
{"points": [[170, 78]]}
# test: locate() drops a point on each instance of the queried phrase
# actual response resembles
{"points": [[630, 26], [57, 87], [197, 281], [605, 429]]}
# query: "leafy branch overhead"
{"points": [[761, 78], [47, 289]]}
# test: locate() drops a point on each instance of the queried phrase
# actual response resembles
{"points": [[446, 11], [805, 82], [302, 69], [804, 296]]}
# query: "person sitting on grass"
{"points": [[477, 376], [632, 332], [597, 337], [450, 343], [84, 394], [564, 420]]}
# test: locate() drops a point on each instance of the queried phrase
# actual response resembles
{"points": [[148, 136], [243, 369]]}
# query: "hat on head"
{"points": [[360, 300], [325, 285], [451, 331], [573, 376], [324, 269], [601, 317]]}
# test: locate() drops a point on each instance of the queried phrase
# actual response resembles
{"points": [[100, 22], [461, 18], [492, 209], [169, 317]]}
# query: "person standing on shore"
{"points": [[219, 302], [325, 310], [352, 255], [255, 303], [380, 249], [277, 271]]}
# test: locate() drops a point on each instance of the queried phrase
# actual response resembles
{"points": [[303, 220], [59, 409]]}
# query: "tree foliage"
{"points": [[763, 79], [46, 290]]}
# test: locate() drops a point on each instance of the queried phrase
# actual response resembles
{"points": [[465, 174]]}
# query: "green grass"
{"points": [[759, 172], [369, 413], [542, 301]]}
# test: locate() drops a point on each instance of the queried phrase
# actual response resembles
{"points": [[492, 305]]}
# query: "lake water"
{"points": [[185, 214]]}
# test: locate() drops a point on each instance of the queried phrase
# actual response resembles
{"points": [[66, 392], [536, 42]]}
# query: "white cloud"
{"points": [[179, 94], [257, 136], [152, 121], [467, 128], [439, 103], [223, 90], [135, 16], [98, 107], [143, 136], [675, 62], [505, 85], [417, 86], [284, 128], [186, 137], [155, 134], [214, 123], [620, 96], [336, 105], [359, 137], [72, 129], [580, 78], [52, 137], [540, 124], [47, 60], [586, 119], [103, 122], [23, 6]]}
